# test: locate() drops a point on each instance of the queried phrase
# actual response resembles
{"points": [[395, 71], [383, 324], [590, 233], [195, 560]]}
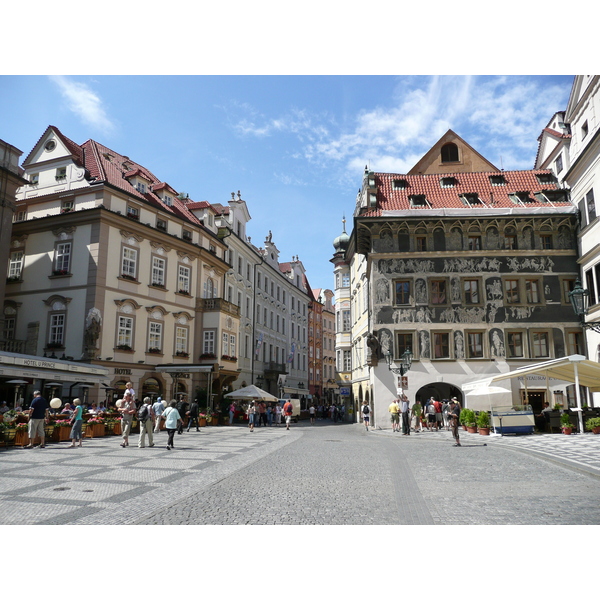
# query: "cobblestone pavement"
{"points": [[323, 474]]}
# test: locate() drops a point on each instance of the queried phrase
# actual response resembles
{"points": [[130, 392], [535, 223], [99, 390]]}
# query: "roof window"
{"points": [[497, 180], [448, 182], [546, 177], [417, 200], [399, 184], [471, 199], [521, 198]]}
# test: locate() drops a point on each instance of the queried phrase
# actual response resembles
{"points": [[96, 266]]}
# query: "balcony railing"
{"points": [[275, 367], [217, 305], [16, 346]]}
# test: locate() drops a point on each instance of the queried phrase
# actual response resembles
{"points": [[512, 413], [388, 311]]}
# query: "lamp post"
{"points": [[579, 301], [405, 363]]}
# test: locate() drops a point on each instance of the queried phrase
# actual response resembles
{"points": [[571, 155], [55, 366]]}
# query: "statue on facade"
{"points": [[93, 325], [374, 350]]}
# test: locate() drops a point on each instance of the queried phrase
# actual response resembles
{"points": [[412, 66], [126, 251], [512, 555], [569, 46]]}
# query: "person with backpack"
{"points": [[146, 419], [193, 415], [127, 410], [288, 409], [365, 414], [182, 409]]}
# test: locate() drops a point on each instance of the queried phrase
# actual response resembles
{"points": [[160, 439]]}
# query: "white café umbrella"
{"points": [[251, 392]]}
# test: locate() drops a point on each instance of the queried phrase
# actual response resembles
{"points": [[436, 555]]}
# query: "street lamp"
{"points": [[579, 301], [405, 362]]}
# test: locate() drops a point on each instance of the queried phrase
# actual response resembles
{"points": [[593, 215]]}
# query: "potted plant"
{"points": [[21, 436], [469, 420], [593, 425], [565, 424], [483, 423]]}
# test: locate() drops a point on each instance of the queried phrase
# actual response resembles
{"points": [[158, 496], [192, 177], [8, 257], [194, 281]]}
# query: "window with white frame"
{"points": [[133, 213], [56, 335], [347, 360], [184, 278], [62, 258], [15, 265], [225, 344], [210, 288], [540, 344], [158, 271], [155, 334], [125, 332], [129, 263], [232, 345], [208, 343], [181, 340]]}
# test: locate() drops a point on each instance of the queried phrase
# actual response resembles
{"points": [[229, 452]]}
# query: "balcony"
{"points": [[217, 305], [273, 367], [15, 346]]}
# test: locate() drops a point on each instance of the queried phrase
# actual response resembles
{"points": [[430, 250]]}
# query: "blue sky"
{"points": [[295, 146]]}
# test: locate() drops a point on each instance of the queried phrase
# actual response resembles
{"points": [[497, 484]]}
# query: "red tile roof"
{"points": [[492, 196]]}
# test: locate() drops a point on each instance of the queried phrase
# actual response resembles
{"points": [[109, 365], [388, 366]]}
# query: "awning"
{"points": [[573, 369]]}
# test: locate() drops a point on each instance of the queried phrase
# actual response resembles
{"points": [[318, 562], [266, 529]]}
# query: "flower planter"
{"points": [[117, 429], [21, 438], [64, 433], [214, 421], [484, 431], [567, 430], [596, 430], [95, 430], [202, 422], [471, 429]]}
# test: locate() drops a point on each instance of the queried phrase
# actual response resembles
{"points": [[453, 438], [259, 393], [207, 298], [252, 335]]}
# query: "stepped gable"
{"points": [[389, 197]]}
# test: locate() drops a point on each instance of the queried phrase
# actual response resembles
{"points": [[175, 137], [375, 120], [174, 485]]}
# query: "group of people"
{"points": [[435, 414], [261, 413]]}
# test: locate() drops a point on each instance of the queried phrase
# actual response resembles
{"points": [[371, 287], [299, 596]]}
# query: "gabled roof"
{"points": [[76, 151], [491, 196]]}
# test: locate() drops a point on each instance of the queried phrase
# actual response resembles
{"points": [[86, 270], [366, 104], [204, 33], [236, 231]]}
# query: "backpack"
{"points": [[366, 409], [431, 409], [143, 412]]}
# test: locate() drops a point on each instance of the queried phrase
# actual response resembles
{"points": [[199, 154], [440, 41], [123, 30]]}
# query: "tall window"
{"points": [[57, 329], [532, 291], [210, 289], [546, 241], [345, 280], [474, 242], [232, 345], [225, 344], [181, 340], [438, 291], [125, 332], [208, 345], [575, 342], [158, 271], [347, 360], [62, 257], [540, 344], [402, 292], [155, 336], [515, 344], [449, 153], [129, 263], [15, 265], [404, 343], [441, 345], [421, 243], [511, 288], [475, 344], [183, 281], [345, 320], [471, 288]]}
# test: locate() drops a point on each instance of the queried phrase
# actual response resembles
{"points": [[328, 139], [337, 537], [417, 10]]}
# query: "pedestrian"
{"points": [[262, 414], [77, 423], [394, 411], [439, 422], [38, 416], [251, 412], [4, 408], [232, 409], [404, 410], [417, 411], [127, 410], [270, 415], [454, 414], [146, 419], [158, 407], [312, 412], [193, 415], [446, 418], [430, 410], [277, 415], [173, 420], [288, 409], [182, 408], [365, 413]]}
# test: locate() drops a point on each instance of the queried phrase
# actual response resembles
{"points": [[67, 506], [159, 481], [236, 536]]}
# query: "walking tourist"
{"points": [[288, 409], [394, 411], [404, 410], [127, 410], [251, 412], [454, 414], [146, 420], [77, 423], [193, 415], [365, 413], [172, 421], [158, 407], [38, 417]]}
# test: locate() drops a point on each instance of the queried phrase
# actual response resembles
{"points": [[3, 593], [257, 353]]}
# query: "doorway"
{"points": [[534, 397]]}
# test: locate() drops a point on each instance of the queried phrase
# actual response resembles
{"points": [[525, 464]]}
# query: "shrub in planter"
{"points": [[593, 424], [483, 422], [565, 423]]}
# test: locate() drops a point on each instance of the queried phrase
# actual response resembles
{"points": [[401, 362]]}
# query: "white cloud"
{"points": [[84, 103]]}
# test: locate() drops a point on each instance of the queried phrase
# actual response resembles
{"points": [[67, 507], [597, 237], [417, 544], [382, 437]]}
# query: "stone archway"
{"points": [[440, 391]]}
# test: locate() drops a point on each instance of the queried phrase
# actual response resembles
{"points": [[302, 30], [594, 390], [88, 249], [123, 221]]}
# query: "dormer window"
{"points": [[546, 178], [399, 184], [140, 187], [471, 199], [167, 200], [521, 197], [497, 180], [66, 206], [61, 173], [417, 200], [448, 182], [187, 235], [449, 153]]}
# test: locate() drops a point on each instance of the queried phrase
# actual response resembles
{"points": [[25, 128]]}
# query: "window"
{"points": [[441, 344], [56, 336], [449, 153], [399, 184], [471, 290], [140, 187], [417, 200], [591, 206], [129, 263], [515, 344], [240, 265], [497, 180], [546, 241], [402, 292], [345, 320], [421, 243], [558, 164], [511, 290], [167, 200], [66, 206], [210, 288], [345, 280], [567, 286], [232, 345], [540, 344], [161, 224], [125, 332], [208, 344], [589, 282], [404, 342], [181, 336], [158, 271], [584, 130], [187, 235], [475, 344], [10, 322], [448, 182], [474, 242], [183, 280], [61, 173], [19, 216], [438, 291], [15, 265], [62, 258], [155, 337], [133, 213], [575, 343], [225, 344], [347, 366], [532, 291], [34, 179]]}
